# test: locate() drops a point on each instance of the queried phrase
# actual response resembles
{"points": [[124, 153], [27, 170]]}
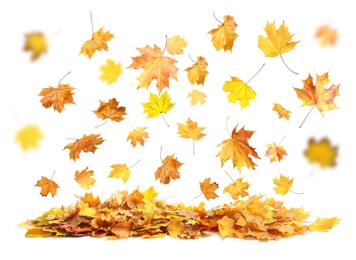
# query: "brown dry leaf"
{"points": [[137, 136], [88, 143], [282, 112], [208, 189], [321, 152], [96, 43], [196, 96], [57, 97], [110, 110], [84, 178], [48, 186], [224, 35], [197, 72], [36, 43], [169, 170], [283, 184], [275, 152], [175, 45], [237, 189], [120, 171], [327, 35]]}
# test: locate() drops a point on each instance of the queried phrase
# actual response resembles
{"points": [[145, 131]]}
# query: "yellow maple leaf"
{"points": [[120, 171], [29, 137], [110, 71], [282, 112], [84, 178], [321, 152], [226, 227], [98, 42], [224, 35], [137, 135], [175, 227], [324, 224], [36, 43], [275, 152], [150, 194], [197, 72], [239, 91], [237, 189], [326, 35], [157, 105], [196, 96], [283, 184], [191, 130], [175, 45]]}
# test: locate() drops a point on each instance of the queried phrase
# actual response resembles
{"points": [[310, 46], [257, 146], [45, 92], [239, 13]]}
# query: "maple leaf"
{"points": [[155, 66], [224, 35], [98, 42], [197, 72], [324, 224], [275, 152], [226, 228], [120, 171], [110, 110], [29, 137], [317, 95], [237, 189], [57, 97], [239, 91], [84, 178], [191, 130], [208, 189], [157, 105], [90, 200], [36, 43], [238, 149], [326, 35], [321, 152], [137, 135], [283, 184], [169, 170], [110, 71], [175, 227], [47, 186], [282, 112], [196, 96], [88, 143], [175, 45], [150, 193]]}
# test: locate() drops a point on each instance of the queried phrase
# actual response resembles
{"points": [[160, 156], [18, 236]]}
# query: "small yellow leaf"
{"points": [[237, 189], [175, 45], [29, 137], [275, 152], [196, 96], [321, 152], [283, 184], [224, 35], [282, 112], [157, 105], [197, 72], [239, 91], [36, 43], [110, 71], [324, 224], [120, 171], [84, 178]]}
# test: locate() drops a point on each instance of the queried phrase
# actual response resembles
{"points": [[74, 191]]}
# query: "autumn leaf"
{"points": [[110, 71], [175, 227], [324, 224], [191, 130], [326, 35], [317, 95], [29, 137], [137, 135], [156, 66], [197, 72], [88, 143], [283, 184], [321, 152], [150, 194], [239, 91], [98, 42], [169, 170], [226, 228], [120, 171], [238, 149], [36, 43], [208, 189], [275, 152], [157, 105], [57, 97], [47, 186], [224, 35], [282, 112], [84, 178], [196, 96], [110, 110], [175, 45], [237, 189]]}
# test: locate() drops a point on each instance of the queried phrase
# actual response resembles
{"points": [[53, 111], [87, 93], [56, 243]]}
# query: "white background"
{"points": [[135, 24]]}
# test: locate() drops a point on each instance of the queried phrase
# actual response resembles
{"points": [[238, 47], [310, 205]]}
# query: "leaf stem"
{"points": [[287, 65], [227, 130], [193, 147], [59, 82], [281, 140], [52, 174], [165, 46], [230, 177], [102, 123], [92, 24], [307, 115], [160, 154], [255, 73], [217, 19], [198, 195], [164, 120], [130, 122], [192, 59], [135, 164], [298, 193]]}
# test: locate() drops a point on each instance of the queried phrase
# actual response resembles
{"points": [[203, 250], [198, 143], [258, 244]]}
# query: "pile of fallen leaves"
{"points": [[139, 214]]}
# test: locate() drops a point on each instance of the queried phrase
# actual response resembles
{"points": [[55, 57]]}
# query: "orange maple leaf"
{"points": [[96, 43], [110, 110], [238, 149], [321, 152], [84, 178], [196, 96], [224, 35], [275, 152], [137, 135], [169, 169], [237, 189], [155, 66], [89, 198], [197, 72], [327, 35], [208, 189], [85, 144], [175, 227], [48, 186], [36, 43], [282, 112], [191, 130], [57, 97]]}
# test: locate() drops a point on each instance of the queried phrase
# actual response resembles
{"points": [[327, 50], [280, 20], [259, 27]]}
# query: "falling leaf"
{"points": [[48, 186], [283, 184], [237, 189], [120, 171], [155, 66], [29, 137], [208, 189], [321, 152], [238, 149], [324, 224], [36, 43], [282, 112], [110, 71], [327, 35], [150, 193], [196, 96], [239, 91], [90, 200], [84, 178], [191, 130], [57, 97], [275, 152], [169, 170], [110, 110], [98, 42], [197, 72], [88, 143], [137, 135], [224, 35], [157, 105], [175, 45]]}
